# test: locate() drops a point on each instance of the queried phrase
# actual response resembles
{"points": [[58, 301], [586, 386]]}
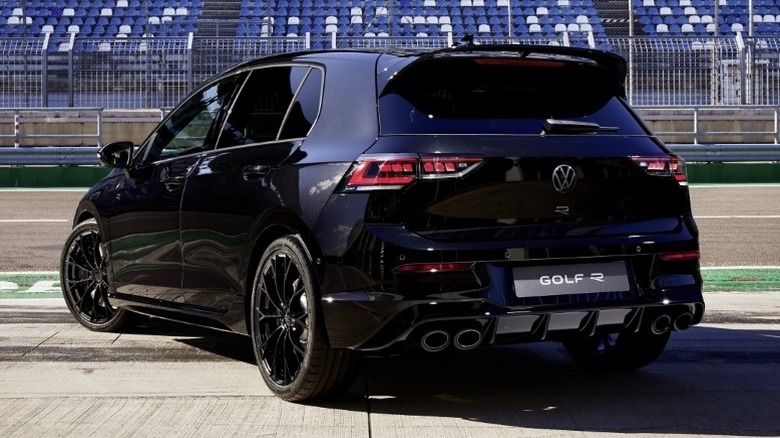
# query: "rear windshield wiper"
{"points": [[556, 126]]}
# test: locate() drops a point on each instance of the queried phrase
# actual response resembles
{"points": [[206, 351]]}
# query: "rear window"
{"points": [[468, 95]]}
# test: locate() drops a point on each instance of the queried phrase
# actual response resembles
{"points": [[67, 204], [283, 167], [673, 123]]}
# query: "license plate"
{"points": [[543, 281]]}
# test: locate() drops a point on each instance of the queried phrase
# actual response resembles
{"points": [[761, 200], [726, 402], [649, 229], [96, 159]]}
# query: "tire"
{"points": [[84, 281], [623, 351], [288, 335]]}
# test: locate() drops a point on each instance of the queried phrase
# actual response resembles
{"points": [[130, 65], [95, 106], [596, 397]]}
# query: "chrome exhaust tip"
{"points": [[435, 341], [661, 325], [683, 322], [467, 339]]}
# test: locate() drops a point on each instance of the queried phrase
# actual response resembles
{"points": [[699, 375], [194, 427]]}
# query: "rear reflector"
{"points": [[679, 256], [421, 268], [389, 173], [664, 166]]}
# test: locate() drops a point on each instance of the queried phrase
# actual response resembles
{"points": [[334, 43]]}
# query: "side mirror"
{"points": [[118, 154]]}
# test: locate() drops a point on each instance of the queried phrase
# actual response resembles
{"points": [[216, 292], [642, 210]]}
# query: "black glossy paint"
{"points": [[184, 232]]}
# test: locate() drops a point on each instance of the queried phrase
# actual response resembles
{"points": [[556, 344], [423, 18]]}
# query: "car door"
{"points": [[143, 244], [232, 186]]}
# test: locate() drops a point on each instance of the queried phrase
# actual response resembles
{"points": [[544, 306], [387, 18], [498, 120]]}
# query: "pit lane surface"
{"points": [[721, 378]]}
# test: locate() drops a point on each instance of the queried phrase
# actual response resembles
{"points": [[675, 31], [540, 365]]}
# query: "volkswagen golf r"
{"points": [[331, 203]]}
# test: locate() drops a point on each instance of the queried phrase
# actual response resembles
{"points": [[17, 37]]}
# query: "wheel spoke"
{"points": [[72, 262], [268, 298]]}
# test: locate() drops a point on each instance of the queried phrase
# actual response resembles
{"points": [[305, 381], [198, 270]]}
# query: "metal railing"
{"points": [[78, 117], [759, 124], [157, 72], [701, 153]]}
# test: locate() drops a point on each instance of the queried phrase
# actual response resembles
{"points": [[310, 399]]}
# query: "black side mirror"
{"points": [[118, 154]]}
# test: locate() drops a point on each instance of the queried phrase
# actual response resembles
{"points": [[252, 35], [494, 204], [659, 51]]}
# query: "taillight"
{"points": [[392, 173], [664, 166], [679, 256], [374, 173], [422, 268]]}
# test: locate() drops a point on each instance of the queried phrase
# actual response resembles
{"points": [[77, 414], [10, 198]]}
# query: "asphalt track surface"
{"points": [[720, 378], [739, 226]]}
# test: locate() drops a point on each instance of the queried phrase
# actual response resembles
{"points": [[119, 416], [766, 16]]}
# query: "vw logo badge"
{"points": [[564, 178]]}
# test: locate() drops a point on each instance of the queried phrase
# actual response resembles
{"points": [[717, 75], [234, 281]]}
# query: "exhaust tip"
{"points": [[661, 325], [468, 339], [684, 321], [435, 341]]}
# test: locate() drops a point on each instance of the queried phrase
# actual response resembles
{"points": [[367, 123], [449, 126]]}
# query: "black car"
{"points": [[337, 202]]}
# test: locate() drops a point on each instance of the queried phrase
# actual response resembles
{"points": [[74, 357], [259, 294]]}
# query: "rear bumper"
{"points": [[368, 305], [376, 321]]}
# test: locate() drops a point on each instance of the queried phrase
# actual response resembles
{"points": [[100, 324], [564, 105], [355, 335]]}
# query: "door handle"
{"points": [[174, 182], [256, 172]]}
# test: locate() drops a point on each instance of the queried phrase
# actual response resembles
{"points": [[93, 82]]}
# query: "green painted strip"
{"points": [[30, 285], [747, 279]]}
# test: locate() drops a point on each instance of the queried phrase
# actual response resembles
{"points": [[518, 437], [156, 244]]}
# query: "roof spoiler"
{"points": [[614, 64]]}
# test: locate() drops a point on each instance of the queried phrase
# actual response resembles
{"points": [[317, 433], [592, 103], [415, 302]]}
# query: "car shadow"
{"points": [[710, 381], [228, 345]]}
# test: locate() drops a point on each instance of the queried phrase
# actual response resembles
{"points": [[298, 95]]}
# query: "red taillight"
{"points": [[444, 167], [664, 166], [421, 268], [383, 173], [389, 173], [679, 256]]}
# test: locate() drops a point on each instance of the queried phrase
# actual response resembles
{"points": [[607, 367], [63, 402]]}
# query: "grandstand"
{"points": [[320, 19], [150, 53]]}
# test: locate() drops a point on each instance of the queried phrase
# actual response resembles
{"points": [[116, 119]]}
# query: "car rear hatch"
{"points": [[481, 144]]}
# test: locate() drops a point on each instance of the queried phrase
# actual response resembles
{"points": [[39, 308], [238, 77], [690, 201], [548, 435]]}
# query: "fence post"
{"points": [[44, 71], [71, 72], [17, 133]]}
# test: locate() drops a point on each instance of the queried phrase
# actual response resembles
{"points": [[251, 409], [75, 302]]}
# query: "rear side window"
{"points": [[274, 103], [469, 95]]}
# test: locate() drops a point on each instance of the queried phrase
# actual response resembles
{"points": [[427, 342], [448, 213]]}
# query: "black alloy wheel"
{"points": [[84, 281], [292, 350]]}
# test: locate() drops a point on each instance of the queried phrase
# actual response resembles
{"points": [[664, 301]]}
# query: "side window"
{"points": [[264, 105], [189, 127], [306, 108]]}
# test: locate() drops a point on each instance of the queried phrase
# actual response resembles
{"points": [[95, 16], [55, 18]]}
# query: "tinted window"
{"points": [[306, 107], [189, 126], [500, 96], [264, 104]]}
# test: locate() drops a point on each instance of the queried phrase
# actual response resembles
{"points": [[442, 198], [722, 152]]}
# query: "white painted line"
{"points": [[727, 185], [725, 268], [24, 221], [7, 273], [744, 216], [44, 189]]}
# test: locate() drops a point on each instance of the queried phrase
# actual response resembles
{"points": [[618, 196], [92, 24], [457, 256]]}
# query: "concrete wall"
{"points": [[672, 125]]}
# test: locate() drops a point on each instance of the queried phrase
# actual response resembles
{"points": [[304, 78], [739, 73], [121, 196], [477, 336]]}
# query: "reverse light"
{"points": [[422, 268], [679, 256], [664, 166], [392, 173]]}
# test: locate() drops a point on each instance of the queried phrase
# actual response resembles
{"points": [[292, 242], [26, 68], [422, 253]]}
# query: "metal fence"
{"points": [[157, 72]]}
